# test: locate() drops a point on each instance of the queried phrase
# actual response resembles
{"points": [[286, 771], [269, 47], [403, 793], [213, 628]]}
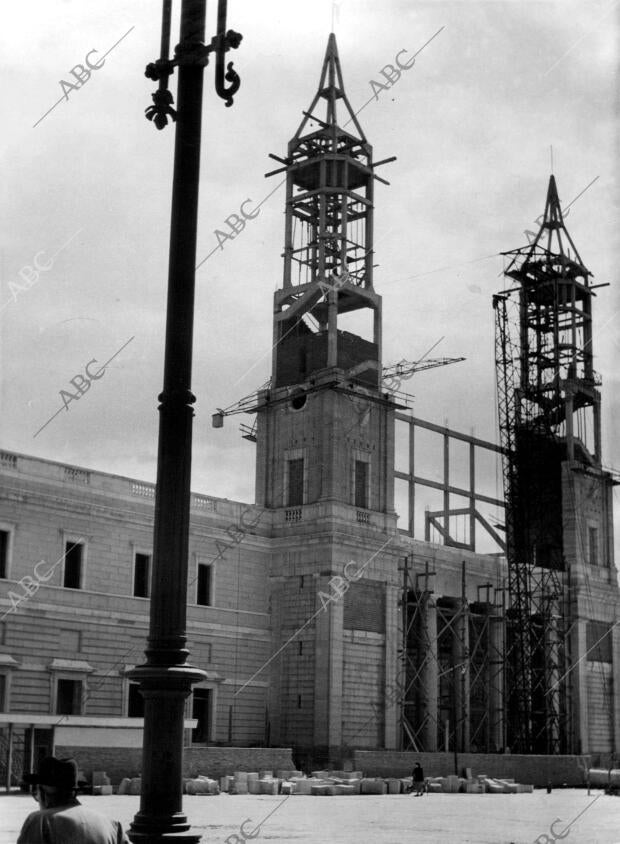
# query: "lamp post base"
{"points": [[152, 836], [160, 818]]}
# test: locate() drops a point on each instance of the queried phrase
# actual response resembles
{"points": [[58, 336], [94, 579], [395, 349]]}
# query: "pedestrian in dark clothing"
{"points": [[62, 819], [418, 780]]}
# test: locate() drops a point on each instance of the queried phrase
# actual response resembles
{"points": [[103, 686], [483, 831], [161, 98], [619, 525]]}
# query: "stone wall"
{"points": [[119, 762], [537, 770]]}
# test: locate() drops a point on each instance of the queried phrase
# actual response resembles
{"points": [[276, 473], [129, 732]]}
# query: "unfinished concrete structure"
{"points": [[323, 622], [326, 441], [558, 497]]}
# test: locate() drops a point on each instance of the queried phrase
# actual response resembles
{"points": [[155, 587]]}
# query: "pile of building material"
{"points": [[101, 783], [201, 785], [475, 785], [607, 778], [334, 784], [259, 782], [130, 786]]}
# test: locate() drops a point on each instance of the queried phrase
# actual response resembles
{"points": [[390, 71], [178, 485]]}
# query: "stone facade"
{"points": [[298, 605], [272, 581]]}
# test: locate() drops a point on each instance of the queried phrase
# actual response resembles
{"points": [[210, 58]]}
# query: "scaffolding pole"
{"points": [[452, 662]]}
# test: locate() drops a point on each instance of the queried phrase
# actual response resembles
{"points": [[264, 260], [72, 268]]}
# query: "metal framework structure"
{"points": [[452, 666], [328, 240], [443, 520], [548, 413]]}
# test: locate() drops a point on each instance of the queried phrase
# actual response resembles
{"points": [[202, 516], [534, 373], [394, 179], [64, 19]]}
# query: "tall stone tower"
{"points": [[325, 440], [563, 581]]}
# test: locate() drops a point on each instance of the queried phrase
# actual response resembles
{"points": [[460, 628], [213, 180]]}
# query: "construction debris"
{"points": [[334, 783]]}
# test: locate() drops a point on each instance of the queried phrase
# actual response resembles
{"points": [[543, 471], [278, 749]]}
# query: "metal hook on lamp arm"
{"points": [[221, 44], [191, 53]]}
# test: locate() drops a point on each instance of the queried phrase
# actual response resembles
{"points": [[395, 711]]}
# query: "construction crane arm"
{"points": [[404, 368]]}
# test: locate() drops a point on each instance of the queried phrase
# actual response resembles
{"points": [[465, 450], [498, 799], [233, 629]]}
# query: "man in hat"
{"points": [[62, 819]]}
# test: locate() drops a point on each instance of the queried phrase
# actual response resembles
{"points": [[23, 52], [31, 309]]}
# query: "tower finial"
{"points": [[553, 224], [331, 89]]}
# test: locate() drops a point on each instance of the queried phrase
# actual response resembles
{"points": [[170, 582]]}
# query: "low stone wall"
{"points": [[119, 762], [537, 770], [221, 761]]}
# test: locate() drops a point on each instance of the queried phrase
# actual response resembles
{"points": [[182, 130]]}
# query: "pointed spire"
{"points": [[331, 89], [553, 210], [554, 227]]}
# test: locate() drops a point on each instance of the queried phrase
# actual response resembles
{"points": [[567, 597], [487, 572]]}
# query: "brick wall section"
{"points": [[119, 762], [363, 688], [220, 761], [599, 692], [526, 769]]}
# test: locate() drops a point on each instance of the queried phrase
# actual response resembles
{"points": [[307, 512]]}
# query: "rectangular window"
{"points": [[68, 697], [135, 702], [3, 693], [73, 565], [141, 575], [4, 553], [203, 588], [593, 546], [295, 495], [598, 641], [361, 484], [201, 710]]}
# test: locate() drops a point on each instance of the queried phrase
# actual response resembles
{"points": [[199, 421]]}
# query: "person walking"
{"points": [[418, 780], [61, 818]]}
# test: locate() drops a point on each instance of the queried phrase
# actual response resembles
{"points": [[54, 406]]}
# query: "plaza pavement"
{"points": [[399, 819]]}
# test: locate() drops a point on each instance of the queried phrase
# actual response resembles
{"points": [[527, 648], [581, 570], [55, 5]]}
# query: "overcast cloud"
{"points": [[471, 124]]}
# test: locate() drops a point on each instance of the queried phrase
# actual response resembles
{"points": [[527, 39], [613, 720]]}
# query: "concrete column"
{"points": [[275, 675], [411, 484], [336, 670], [430, 677], [579, 688], [387, 487], [394, 682], [328, 678], [496, 646], [460, 656]]}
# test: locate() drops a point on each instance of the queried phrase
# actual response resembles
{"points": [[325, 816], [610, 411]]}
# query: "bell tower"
{"points": [[323, 418], [559, 530], [325, 443]]}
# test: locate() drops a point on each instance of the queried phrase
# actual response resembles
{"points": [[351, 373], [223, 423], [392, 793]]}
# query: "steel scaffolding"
{"points": [[452, 660], [548, 413]]}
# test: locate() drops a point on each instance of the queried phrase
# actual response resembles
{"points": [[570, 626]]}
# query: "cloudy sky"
{"points": [[86, 193]]}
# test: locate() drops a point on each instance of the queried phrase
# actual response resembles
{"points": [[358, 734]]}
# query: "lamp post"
{"points": [[166, 678]]}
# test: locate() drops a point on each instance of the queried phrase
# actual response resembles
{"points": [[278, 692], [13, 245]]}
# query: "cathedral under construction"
{"points": [[322, 622]]}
